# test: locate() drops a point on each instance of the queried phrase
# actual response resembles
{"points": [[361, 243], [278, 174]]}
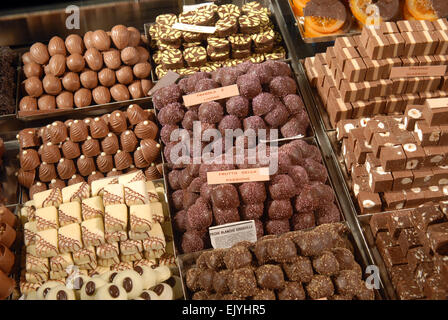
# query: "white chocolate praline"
{"points": [[60, 293], [163, 273], [131, 281], [108, 276], [163, 291], [148, 295], [31, 296], [45, 288], [175, 282], [111, 292], [91, 287], [148, 274]]}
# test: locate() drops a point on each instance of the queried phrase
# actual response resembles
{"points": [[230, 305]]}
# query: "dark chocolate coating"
{"points": [[326, 8]]}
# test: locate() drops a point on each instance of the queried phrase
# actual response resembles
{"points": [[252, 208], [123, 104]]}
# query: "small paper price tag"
{"points": [[437, 103], [226, 235], [193, 28], [192, 7], [211, 95], [417, 71], [238, 176]]}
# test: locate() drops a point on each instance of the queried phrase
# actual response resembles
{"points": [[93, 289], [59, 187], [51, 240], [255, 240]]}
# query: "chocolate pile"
{"points": [[7, 80], [353, 78], [61, 154], [295, 198], [242, 34], [413, 245], [299, 265], [8, 223], [268, 99], [397, 162], [97, 69]]}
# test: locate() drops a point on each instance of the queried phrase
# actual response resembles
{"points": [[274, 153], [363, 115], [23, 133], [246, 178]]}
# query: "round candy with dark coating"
{"points": [[252, 192], [188, 199], [262, 71], [282, 86], [302, 118], [280, 209], [199, 217], [282, 187], [365, 293], [292, 291], [278, 68], [277, 226], [292, 128], [242, 282], [252, 211], [300, 177], [173, 179], [264, 103], [192, 242], [345, 258], [299, 269], [264, 294], [316, 171], [348, 283], [303, 220], [225, 196], [177, 198], [270, 276], [206, 191], [229, 122], [165, 132], [220, 281], [180, 221], [293, 103], [238, 106], [294, 153], [192, 277], [319, 287], [237, 257], [172, 114], [195, 185], [328, 213], [284, 162], [228, 76], [188, 84], [277, 117], [259, 228], [205, 279], [249, 85], [205, 84], [210, 112], [166, 95], [184, 179], [305, 201], [254, 122], [189, 117], [223, 216], [326, 264]]}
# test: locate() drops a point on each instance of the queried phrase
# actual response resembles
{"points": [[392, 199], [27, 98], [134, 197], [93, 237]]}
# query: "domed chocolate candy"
{"points": [[33, 87], [119, 92], [136, 114], [85, 165], [47, 172], [39, 53], [65, 100], [135, 90], [83, 98], [75, 62], [56, 184], [90, 147], [117, 122], [128, 141], [150, 149], [26, 178], [70, 149], [58, 132], [152, 173], [104, 162], [76, 178], [46, 102], [114, 173], [66, 168], [89, 79], [29, 159], [56, 46], [101, 40], [122, 160], [50, 153], [28, 138], [51, 84], [71, 81], [28, 103], [146, 130], [78, 131], [36, 188], [33, 69], [74, 44], [57, 65], [110, 143], [98, 128], [95, 175], [94, 59], [120, 36], [139, 160], [112, 59], [101, 95]]}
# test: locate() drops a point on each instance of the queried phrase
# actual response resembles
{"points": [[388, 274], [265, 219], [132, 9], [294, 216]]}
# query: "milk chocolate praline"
{"points": [[78, 131], [124, 75], [150, 149], [71, 81], [56, 46], [128, 141], [85, 165], [117, 122], [95, 175], [28, 138], [88, 40], [146, 130], [33, 87], [136, 114], [139, 160], [51, 84], [26, 178], [70, 149], [89, 79], [83, 98], [120, 92], [90, 147], [135, 90], [46, 102], [75, 62], [120, 36], [98, 128], [50, 153], [47, 172], [74, 44], [106, 77], [28, 103], [39, 53], [75, 178], [56, 184], [101, 40], [110, 143], [36, 188], [65, 100], [122, 160], [104, 162], [112, 59], [101, 95], [58, 132], [57, 65], [32, 69], [114, 172]]}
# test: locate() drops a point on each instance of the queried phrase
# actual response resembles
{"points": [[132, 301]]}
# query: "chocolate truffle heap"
{"points": [[8, 222], [79, 72], [268, 99], [314, 264], [61, 154], [242, 34], [295, 198], [7, 80], [397, 162], [413, 245], [353, 78]]}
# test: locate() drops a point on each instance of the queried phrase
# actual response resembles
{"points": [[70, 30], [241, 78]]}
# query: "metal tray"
{"points": [[186, 261]]}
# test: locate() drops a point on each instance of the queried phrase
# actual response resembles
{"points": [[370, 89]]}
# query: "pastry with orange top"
{"points": [[325, 17], [388, 10], [425, 9]]}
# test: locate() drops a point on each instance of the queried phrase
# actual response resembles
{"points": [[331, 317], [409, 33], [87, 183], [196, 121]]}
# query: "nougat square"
{"points": [[76, 192], [135, 193], [113, 194], [140, 218], [92, 208], [108, 250], [137, 175], [393, 158], [131, 246], [157, 212], [116, 218], [69, 212], [47, 218], [47, 243], [69, 238], [93, 232], [86, 255], [98, 185], [30, 233], [156, 239], [47, 198], [61, 262]]}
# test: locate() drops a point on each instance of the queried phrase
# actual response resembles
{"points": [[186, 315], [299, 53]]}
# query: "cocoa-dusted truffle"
{"points": [[327, 213], [180, 221], [277, 117], [76, 178], [225, 196], [187, 84], [270, 276], [90, 147], [237, 257], [242, 282], [136, 114], [264, 103], [166, 95], [66, 168], [122, 160], [205, 279], [36, 188], [249, 86], [282, 187], [188, 199], [98, 128], [252, 211], [282, 86], [205, 84], [128, 141], [117, 122], [293, 103], [110, 143], [280, 209], [303, 220], [238, 106], [173, 179], [252, 192], [47, 172], [199, 216], [319, 287], [277, 226], [150, 149], [262, 71], [29, 159], [189, 118], [254, 122], [191, 278], [70, 149], [171, 114], [229, 122], [210, 112], [192, 242], [315, 170], [220, 281], [166, 131]]}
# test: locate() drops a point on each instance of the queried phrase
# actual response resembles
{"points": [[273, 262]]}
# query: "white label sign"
{"points": [[193, 28], [226, 235], [192, 7]]}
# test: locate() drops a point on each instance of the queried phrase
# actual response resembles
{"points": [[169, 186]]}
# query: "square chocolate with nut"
{"points": [[393, 158]]}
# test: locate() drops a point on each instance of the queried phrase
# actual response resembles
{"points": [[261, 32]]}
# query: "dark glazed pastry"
{"points": [[237, 257], [242, 282]]}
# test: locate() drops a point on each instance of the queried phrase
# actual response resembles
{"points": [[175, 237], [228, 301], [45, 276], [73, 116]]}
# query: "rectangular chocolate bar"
{"points": [[345, 54], [395, 104], [393, 158], [344, 126], [434, 193], [355, 70], [432, 42], [336, 107], [378, 223], [351, 91], [367, 34], [377, 47], [399, 85], [443, 140], [375, 69], [396, 44], [434, 155], [410, 61], [414, 44], [415, 156], [369, 202], [394, 200], [442, 37], [388, 27], [440, 174]]}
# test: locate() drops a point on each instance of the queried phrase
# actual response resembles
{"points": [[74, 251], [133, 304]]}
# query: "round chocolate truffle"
{"points": [[71, 81], [83, 98], [74, 44], [75, 62]]}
